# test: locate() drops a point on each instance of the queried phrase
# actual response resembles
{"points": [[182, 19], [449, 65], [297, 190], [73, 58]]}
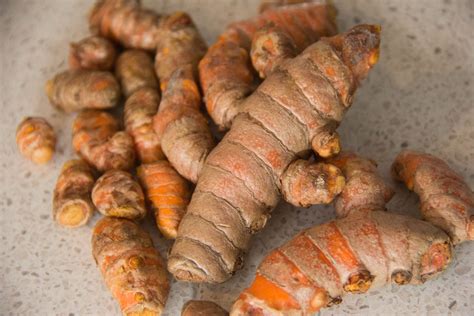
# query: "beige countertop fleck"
{"points": [[420, 96]]}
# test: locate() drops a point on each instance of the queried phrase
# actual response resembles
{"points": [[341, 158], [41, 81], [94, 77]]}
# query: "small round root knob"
{"points": [[359, 282]]}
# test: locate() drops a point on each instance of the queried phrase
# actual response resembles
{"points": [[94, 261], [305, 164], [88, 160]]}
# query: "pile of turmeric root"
{"points": [[278, 85]]}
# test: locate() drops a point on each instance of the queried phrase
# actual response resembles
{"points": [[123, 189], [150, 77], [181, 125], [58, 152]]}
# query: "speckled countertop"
{"points": [[420, 95]]}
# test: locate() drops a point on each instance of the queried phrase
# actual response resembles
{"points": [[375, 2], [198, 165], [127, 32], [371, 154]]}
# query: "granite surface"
{"points": [[420, 96]]}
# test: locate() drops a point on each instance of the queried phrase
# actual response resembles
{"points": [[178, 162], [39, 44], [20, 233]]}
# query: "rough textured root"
{"points": [[97, 139], [270, 48], [36, 139], [168, 194], [140, 108], [365, 190], [93, 52], [202, 308], [75, 90], [446, 199], [365, 249], [307, 183], [72, 205], [134, 70], [126, 22], [131, 266], [243, 172], [226, 74], [180, 44], [116, 193], [182, 129], [320, 265]]}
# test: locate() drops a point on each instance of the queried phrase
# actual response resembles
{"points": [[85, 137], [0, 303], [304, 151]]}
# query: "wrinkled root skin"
{"points": [[36, 140], [240, 182], [93, 53], [72, 205], [321, 264], [140, 108], [365, 248], [132, 268], [305, 183], [116, 193], [96, 139], [134, 70], [226, 72], [446, 199], [167, 192], [75, 90]]}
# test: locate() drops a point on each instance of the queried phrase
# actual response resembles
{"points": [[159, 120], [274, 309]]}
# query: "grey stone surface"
{"points": [[420, 96]]}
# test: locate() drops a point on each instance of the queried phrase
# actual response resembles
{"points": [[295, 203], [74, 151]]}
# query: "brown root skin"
{"points": [[241, 176], [364, 249], [72, 205], [305, 183], [93, 53], [126, 22], [364, 190], [36, 139], [226, 72], [270, 47], [202, 308], [116, 193], [180, 44], [134, 69], [167, 192], [140, 108], [96, 138], [132, 268], [326, 144], [75, 90], [446, 199]]}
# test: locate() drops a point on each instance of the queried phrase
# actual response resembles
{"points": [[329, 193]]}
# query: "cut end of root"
{"points": [[125, 211], [359, 282], [73, 215], [401, 277], [435, 260], [42, 155]]}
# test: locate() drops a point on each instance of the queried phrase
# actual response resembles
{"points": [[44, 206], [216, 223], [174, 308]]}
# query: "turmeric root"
{"points": [[202, 308], [96, 138], [239, 184], [135, 70], [126, 22], [168, 194], [117, 194], [184, 133], [140, 108], [72, 205], [226, 74], [93, 52], [74, 90], [305, 183], [36, 139], [131, 266], [364, 250], [446, 200], [182, 130]]}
